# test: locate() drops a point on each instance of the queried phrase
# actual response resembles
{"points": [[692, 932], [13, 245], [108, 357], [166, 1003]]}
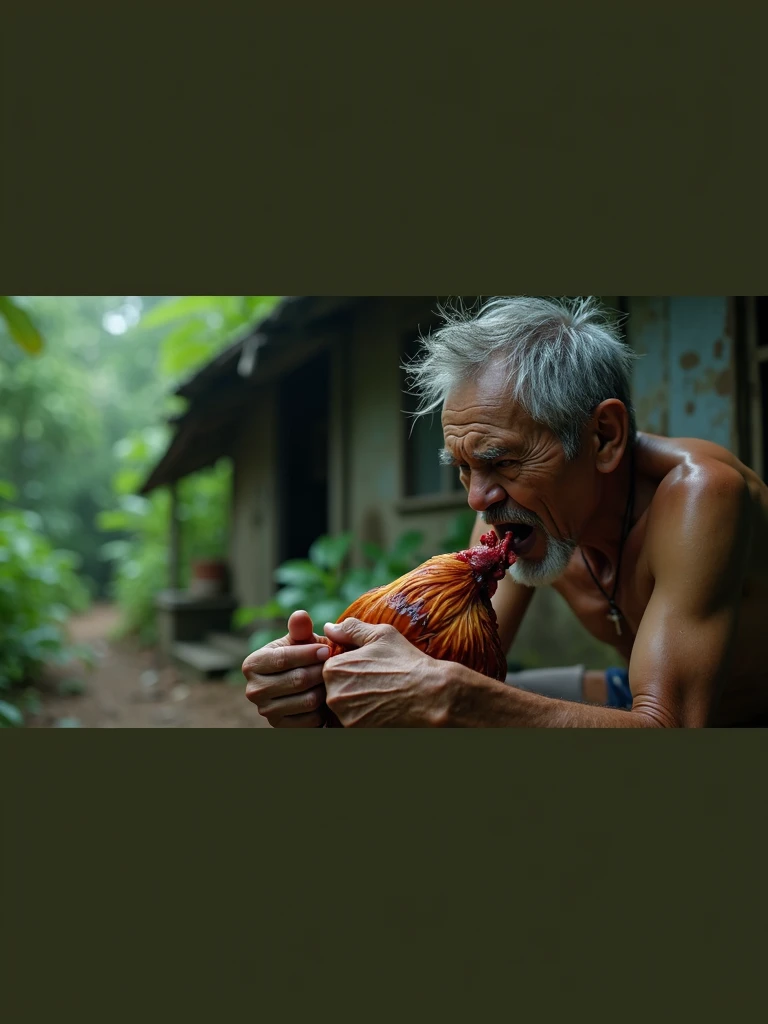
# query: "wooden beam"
{"points": [[174, 547]]}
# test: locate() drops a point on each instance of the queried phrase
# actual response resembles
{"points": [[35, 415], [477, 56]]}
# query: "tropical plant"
{"points": [[197, 326], [322, 586], [39, 588], [140, 526], [20, 325]]}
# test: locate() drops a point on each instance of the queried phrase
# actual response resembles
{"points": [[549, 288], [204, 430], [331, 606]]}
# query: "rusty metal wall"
{"points": [[684, 383]]}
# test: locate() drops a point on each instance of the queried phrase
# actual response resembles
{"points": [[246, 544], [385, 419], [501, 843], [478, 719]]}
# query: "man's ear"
{"points": [[609, 430]]}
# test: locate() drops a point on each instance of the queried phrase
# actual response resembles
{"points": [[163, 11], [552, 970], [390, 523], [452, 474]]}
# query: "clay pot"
{"points": [[209, 576]]}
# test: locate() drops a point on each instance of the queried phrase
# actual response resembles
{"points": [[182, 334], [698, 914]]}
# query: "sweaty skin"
{"points": [[693, 587]]}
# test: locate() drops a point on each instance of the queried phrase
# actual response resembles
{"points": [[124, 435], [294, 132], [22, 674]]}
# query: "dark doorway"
{"points": [[302, 445]]}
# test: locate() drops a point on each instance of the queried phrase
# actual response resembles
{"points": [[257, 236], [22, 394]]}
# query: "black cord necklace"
{"points": [[615, 614]]}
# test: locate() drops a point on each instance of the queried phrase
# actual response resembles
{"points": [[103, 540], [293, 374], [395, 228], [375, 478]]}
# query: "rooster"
{"points": [[444, 608]]}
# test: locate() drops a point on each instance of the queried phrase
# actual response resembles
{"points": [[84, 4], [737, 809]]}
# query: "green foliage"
{"points": [[139, 552], [39, 587], [458, 536], [107, 371], [187, 331], [10, 716], [323, 587], [62, 413], [200, 326], [20, 326]]}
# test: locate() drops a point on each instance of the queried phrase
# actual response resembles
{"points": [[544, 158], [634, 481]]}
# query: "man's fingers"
{"points": [[300, 628], [284, 684], [268, 660], [313, 720], [274, 710]]}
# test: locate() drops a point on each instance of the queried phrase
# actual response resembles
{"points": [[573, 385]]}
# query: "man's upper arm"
{"points": [[698, 547]]}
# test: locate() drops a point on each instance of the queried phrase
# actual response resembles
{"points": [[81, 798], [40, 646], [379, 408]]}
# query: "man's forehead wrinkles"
{"points": [[472, 411], [484, 453]]}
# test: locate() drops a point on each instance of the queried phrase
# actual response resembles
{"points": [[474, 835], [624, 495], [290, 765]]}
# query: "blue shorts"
{"points": [[619, 693]]}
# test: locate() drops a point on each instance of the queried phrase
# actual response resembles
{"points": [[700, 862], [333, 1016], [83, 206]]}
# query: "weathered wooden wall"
{"points": [[253, 534]]}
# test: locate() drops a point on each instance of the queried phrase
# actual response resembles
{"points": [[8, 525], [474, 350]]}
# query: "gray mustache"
{"points": [[495, 516]]}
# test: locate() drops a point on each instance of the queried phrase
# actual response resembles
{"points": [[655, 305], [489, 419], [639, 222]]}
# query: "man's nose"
{"points": [[483, 493]]}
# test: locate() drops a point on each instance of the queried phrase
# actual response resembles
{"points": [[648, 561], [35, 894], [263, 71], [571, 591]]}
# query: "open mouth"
{"points": [[523, 539]]}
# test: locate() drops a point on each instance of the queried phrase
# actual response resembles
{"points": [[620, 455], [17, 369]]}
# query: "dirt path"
{"points": [[128, 688]]}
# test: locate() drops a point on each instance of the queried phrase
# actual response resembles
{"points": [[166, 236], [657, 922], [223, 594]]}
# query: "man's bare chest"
{"points": [[592, 607]]}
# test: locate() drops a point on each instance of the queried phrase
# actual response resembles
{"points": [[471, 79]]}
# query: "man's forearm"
{"points": [[475, 701]]}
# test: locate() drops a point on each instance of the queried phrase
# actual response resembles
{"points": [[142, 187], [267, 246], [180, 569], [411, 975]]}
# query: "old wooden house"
{"points": [[311, 410]]}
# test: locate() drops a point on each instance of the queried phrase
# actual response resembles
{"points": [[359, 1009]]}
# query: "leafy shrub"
{"points": [[140, 529], [320, 584], [324, 588], [39, 587]]}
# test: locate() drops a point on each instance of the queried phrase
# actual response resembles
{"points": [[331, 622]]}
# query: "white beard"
{"points": [[546, 570]]}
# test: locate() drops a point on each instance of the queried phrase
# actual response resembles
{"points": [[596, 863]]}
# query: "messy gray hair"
{"points": [[560, 359]]}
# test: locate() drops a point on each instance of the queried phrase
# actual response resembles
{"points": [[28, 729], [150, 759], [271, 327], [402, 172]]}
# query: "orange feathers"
{"points": [[443, 607]]}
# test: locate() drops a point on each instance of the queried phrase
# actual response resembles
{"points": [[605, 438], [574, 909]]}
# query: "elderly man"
{"points": [[659, 546]]}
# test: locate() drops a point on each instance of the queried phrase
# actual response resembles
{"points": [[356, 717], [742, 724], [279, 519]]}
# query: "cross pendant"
{"points": [[615, 616]]}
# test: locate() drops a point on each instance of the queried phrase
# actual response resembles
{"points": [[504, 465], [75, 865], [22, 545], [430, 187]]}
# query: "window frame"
{"points": [[448, 497], [757, 354]]}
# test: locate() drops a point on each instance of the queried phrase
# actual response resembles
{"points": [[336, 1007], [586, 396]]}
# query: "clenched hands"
{"points": [[384, 681], [285, 678]]}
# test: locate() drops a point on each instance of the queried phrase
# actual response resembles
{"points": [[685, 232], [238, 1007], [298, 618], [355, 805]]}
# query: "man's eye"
{"points": [[506, 463]]}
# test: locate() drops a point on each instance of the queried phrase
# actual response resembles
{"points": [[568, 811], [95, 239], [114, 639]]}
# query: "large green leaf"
{"points": [[10, 716], [461, 529], [330, 552], [291, 599], [188, 346], [356, 583], [327, 610], [114, 519], [300, 573], [372, 551], [262, 637], [20, 326], [244, 616], [179, 308], [407, 544]]}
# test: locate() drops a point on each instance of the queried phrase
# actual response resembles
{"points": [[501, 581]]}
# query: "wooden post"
{"points": [[174, 560]]}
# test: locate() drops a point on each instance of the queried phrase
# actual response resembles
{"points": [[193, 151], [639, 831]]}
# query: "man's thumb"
{"points": [[350, 631]]}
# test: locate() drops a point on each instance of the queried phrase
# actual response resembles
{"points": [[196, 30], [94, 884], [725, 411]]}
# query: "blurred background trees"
{"points": [[85, 394]]}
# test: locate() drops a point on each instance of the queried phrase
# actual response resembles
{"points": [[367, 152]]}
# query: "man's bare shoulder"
{"points": [[689, 459], [702, 493]]}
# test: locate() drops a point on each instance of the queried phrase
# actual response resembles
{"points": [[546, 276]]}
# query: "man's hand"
{"points": [[285, 678], [386, 681]]}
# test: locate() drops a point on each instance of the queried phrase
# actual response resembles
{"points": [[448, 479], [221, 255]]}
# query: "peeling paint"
{"points": [[700, 378], [724, 382], [651, 410], [648, 327], [683, 386], [703, 382]]}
